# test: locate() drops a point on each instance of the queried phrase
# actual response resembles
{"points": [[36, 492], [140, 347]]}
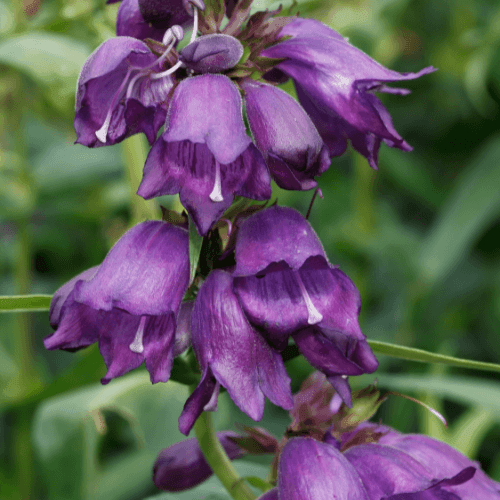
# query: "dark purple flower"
{"points": [[212, 53], [231, 353], [286, 286], [286, 136], [129, 304], [115, 97], [205, 154], [336, 83], [163, 14], [310, 470], [130, 22], [183, 466]]}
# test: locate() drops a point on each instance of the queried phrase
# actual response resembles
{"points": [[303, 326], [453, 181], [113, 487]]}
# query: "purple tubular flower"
{"points": [[205, 154], [231, 353], [130, 22], [286, 286], [335, 84], [114, 98], [162, 14], [212, 53], [183, 466], [286, 136], [129, 304]]}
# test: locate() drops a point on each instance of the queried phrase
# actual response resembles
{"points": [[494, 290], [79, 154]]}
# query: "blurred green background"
{"points": [[420, 239]]}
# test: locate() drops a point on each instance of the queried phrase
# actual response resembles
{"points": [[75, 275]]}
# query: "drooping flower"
{"points": [[129, 304], [231, 353], [115, 96], [205, 154], [284, 133], [335, 84], [183, 466], [287, 287]]}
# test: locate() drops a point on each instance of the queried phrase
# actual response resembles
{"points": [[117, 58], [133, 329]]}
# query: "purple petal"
{"points": [[212, 53], [309, 470], [273, 235], [248, 368], [206, 109], [183, 466], [145, 273], [129, 22], [270, 495], [183, 329], [202, 396], [343, 391], [285, 135], [191, 170], [163, 14]]}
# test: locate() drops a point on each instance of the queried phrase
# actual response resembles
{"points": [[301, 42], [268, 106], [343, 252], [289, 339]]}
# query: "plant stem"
{"points": [[218, 460], [134, 152]]}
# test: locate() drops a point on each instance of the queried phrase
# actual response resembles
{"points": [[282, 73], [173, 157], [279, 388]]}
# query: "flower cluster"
{"points": [[142, 81], [329, 452]]}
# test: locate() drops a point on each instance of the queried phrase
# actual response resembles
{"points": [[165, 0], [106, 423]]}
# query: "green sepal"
{"points": [[195, 243]]}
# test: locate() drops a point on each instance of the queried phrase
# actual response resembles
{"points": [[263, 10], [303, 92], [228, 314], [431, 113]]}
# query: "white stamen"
{"points": [[216, 194], [195, 24], [102, 133], [174, 68], [137, 345], [314, 316]]}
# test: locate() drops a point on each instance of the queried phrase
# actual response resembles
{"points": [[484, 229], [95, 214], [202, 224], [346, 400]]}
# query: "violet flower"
{"points": [[205, 154], [286, 286], [335, 84], [286, 136], [115, 96], [129, 304], [231, 353], [130, 22], [183, 466]]}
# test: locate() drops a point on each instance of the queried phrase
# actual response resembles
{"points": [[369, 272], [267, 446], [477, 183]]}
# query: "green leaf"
{"points": [[195, 243], [25, 303], [410, 353], [468, 211], [46, 57], [467, 390]]}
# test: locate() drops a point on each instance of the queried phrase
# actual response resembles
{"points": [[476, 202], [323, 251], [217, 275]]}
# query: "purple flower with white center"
{"points": [[286, 286], [117, 94], [183, 466], [129, 304], [335, 84], [286, 136], [231, 353], [205, 154]]}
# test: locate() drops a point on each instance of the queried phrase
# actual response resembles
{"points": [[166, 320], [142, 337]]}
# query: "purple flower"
{"points": [[335, 84], [231, 353], [286, 286], [129, 304], [286, 136], [116, 98], [205, 154], [183, 466], [130, 22]]}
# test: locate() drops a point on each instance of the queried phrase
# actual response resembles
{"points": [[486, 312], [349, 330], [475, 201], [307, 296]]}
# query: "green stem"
{"points": [[134, 152], [219, 461]]}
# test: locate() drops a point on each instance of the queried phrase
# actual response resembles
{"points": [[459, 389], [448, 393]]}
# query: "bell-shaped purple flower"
{"points": [[183, 466], [286, 286], [129, 304], [205, 154], [231, 353], [163, 14], [130, 22], [115, 97], [336, 83], [286, 136], [212, 53]]}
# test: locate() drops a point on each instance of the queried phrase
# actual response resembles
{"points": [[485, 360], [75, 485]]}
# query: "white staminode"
{"points": [[195, 24], [216, 194], [314, 316], [137, 345]]}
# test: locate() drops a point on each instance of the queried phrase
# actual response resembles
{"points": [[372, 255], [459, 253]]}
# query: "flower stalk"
{"points": [[219, 461]]}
